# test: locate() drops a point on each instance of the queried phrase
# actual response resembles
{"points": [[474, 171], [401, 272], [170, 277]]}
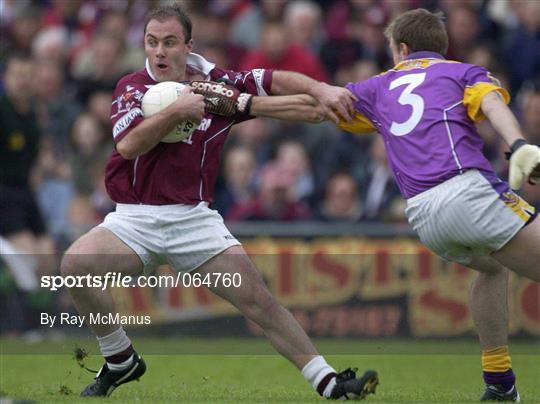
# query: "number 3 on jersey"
{"points": [[407, 97]]}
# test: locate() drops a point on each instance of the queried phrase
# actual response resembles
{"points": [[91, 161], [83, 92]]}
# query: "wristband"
{"points": [[516, 145], [243, 104]]}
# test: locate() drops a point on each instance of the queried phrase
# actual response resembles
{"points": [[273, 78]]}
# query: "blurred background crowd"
{"points": [[61, 59]]}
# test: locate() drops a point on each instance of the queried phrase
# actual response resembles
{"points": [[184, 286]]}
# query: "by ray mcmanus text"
{"points": [[67, 319]]}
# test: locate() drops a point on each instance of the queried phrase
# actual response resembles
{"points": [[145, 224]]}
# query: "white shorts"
{"points": [[468, 215], [183, 236]]}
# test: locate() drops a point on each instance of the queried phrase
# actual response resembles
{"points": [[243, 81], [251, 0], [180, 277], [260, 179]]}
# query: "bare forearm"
{"points": [[286, 83], [146, 135], [300, 107], [501, 118], [336, 102]]}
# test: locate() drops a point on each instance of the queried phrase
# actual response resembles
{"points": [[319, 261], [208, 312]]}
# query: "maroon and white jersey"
{"points": [[173, 173]]}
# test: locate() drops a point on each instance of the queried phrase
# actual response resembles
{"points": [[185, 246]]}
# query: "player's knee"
{"points": [[75, 263], [69, 265]]}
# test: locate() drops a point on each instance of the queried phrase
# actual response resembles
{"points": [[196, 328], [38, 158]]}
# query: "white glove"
{"points": [[524, 164]]}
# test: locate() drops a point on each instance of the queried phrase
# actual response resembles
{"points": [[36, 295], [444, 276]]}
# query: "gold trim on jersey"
{"points": [[359, 124], [416, 64], [419, 64], [473, 95], [518, 205]]}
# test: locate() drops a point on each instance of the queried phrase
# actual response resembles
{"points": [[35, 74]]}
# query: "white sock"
{"points": [[113, 344], [316, 371], [121, 366]]}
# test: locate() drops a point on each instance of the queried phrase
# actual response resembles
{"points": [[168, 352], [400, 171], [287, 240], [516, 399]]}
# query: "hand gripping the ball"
{"points": [[222, 99], [524, 164]]}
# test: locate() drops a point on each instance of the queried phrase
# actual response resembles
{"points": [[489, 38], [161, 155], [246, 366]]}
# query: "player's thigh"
{"points": [[100, 251], [522, 253], [235, 262], [485, 264]]}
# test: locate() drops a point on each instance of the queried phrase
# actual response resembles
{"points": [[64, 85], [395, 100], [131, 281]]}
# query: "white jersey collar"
{"points": [[200, 64], [194, 61], [148, 70]]}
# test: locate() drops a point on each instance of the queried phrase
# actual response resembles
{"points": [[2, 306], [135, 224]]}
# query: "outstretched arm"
{"points": [[300, 107], [225, 99], [335, 101], [500, 116], [525, 158]]}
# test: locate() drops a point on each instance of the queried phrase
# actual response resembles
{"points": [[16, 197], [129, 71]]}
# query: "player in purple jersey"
{"points": [[163, 190], [426, 108]]}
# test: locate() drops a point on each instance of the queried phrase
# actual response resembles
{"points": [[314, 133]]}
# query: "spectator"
{"points": [[463, 31], [481, 55], [211, 33], [382, 200], [99, 66], [218, 55], [54, 190], [302, 20], [524, 44], [341, 199], [21, 31], [51, 45], [361, 70], [395, 8], [255, 135], [373, 41], [56, 108], [56, 113], [274, 201], [115, 24], [292, 157], [276, 52], [78, 17], [95, 39], [89, 204], [238, 183], [88, 210], [10, 9], [529, 103], [247, 25], [354, 31], [87, 140], [345, 152], [21, 222], [99, 106]]}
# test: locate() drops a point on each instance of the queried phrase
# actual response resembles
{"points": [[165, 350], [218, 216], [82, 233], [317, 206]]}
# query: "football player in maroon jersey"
{"points": [[163, 190]]}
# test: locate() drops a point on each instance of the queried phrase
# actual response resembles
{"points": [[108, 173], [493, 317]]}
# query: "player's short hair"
{"points": [[420, 30], [173, 11]]}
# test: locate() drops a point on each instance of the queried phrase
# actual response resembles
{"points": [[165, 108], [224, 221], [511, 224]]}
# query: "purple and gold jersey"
{"points": [[425, 108]]}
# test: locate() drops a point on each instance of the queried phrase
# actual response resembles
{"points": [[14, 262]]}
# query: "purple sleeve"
{"points": [[365, 93], [477, 74]]}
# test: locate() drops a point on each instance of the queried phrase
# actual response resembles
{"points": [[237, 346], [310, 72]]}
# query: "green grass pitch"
{"points": [[247, 370]]}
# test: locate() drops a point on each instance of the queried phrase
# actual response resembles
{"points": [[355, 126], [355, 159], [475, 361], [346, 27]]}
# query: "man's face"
{"points": [[165, 47], [19, 79]]}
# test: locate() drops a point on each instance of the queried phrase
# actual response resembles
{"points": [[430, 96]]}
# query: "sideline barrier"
{"points": [[368, 283]]}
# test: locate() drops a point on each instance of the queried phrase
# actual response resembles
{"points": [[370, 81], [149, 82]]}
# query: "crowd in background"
{"points": [[271, 170]]}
